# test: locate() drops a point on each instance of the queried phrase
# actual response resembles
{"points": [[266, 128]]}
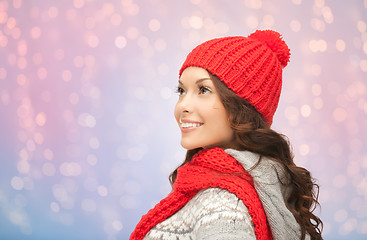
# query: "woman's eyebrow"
{"points": [[197, 81]]}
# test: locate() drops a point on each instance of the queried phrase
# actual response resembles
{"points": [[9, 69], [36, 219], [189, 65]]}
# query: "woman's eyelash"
{"points": [[204, 89], [179, 90]]}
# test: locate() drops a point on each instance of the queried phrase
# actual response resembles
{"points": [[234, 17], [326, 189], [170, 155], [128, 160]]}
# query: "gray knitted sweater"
{"points": [[218, 214]]}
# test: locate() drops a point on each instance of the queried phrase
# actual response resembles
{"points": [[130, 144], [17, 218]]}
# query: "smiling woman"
{"points": [[238, 180], [200, 112]]}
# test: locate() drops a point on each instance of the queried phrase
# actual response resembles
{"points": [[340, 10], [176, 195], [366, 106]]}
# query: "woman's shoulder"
{"points": [[217, 200], [212, 203], [211, 211]]}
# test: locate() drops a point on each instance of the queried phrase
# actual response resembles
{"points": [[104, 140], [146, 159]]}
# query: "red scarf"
{"points": [[209, 168]]}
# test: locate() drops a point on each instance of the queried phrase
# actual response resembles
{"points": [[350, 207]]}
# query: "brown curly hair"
{"points": [[253, 134]]}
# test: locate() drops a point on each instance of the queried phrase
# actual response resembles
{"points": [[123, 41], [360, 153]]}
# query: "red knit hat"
{"points": [[250, 66]]}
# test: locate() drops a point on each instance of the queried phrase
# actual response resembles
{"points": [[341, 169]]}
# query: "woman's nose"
{"points": [[185, 103]]}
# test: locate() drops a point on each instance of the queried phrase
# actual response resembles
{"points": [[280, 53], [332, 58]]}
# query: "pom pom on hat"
{"points": [[275, 42], [250, 66]]}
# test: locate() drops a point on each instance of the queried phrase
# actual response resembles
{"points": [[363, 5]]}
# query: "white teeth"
{"points": [[187, 125]]}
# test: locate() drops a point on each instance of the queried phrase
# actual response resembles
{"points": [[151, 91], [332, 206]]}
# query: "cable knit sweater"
{"points": [[216, 213]]}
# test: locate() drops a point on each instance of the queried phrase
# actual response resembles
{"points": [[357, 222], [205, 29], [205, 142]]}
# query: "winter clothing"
{"points": [[250, 66], [218, 211], [210, 168]]}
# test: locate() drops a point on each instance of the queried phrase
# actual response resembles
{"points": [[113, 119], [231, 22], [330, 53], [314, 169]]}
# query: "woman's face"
{"points": [[200, 113]]}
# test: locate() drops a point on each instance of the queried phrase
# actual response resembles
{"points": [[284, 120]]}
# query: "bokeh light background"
{"points": [[87, 134]]}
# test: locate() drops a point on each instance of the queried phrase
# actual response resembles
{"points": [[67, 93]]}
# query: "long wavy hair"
{"points": [[253, 134]]}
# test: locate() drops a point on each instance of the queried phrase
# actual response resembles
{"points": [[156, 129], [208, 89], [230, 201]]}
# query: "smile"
{"points": [[190, 125]]}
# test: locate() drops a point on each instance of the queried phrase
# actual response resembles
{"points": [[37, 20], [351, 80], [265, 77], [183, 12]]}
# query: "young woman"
{"points": [[239, 180]]}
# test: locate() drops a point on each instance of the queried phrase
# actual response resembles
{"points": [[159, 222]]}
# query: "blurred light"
{"points": [[327, 14], [78, 61], [41, 119], [48, 154], [318, 25], [66, 75], [90, 23], [117, 225], [70, 169], [92, 159], [316, 89], [31, 146], [255, 4], [120, 42], [37, 58], [74, 98], [340, 45], [318, 45], [363, 65], [59, 54], [94, 143], [3, 73], [295, 25], [11, 23], [38, 138], [361, 26], [316, 69], [116, 19], [365, 47], [22, 63], [340, 114], [17, 183], [154, 25], [42, 73], [196, 22], [297, 2], [353, 168], [53, 12], [306, 111], [78, 3], [22, 48], [17, 3], [102, 191], [23, 166], [3, 17], [304, 149], [108, 9], [291, 113], [55, 207], [92, 40]]}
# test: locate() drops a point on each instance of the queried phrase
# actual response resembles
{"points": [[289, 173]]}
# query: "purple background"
{"points": [[87, 134]]}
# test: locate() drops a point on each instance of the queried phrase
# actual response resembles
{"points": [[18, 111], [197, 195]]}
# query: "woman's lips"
{"points": [[189, 126]]}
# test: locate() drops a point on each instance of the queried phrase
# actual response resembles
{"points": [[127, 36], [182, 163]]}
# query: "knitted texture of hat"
{"points": [[250, 66], [208, 168]]}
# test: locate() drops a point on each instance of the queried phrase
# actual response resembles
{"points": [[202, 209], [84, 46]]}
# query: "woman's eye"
{"points": [[180, 91], [204, 90]]}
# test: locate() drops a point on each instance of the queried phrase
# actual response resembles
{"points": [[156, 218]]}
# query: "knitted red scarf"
{"points": [[208, 168]]}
